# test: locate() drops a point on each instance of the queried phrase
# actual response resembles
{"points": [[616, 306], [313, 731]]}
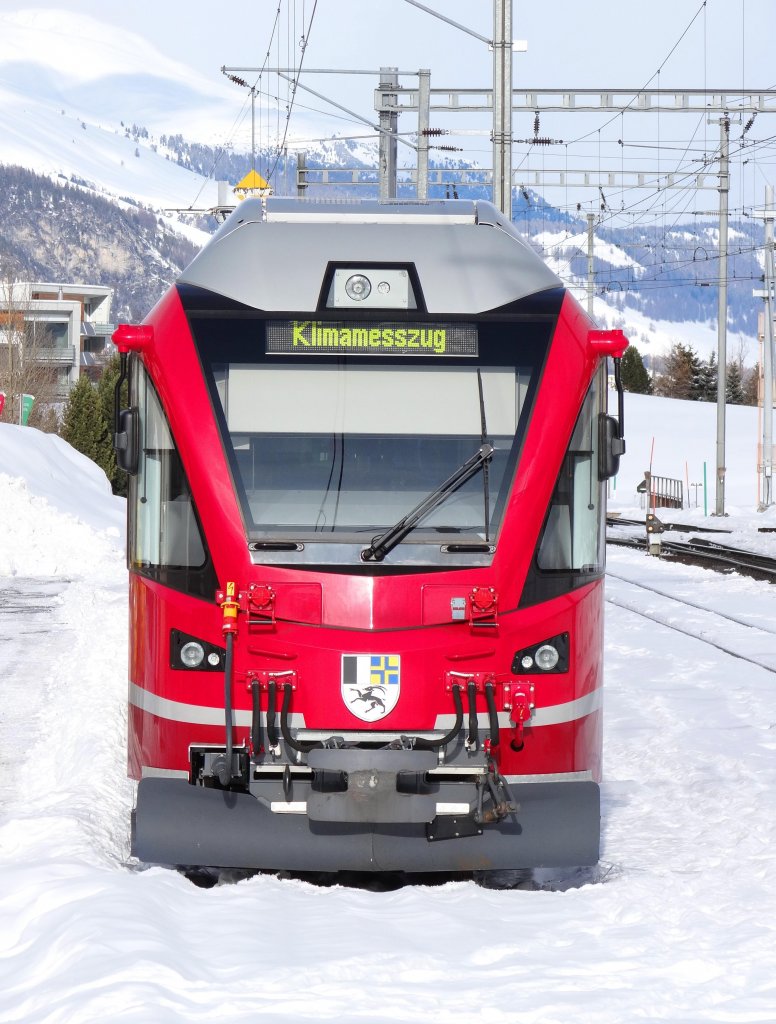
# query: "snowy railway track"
{"points": [[696, 551], [748, 641]]}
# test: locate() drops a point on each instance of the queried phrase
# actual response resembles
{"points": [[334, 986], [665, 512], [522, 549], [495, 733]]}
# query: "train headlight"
{"points": [[547, 657], [369, 287], [192, 654], [358, 287], [550, 655]]}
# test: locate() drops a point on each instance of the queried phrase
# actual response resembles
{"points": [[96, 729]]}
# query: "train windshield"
{"points": [[331, 451]]}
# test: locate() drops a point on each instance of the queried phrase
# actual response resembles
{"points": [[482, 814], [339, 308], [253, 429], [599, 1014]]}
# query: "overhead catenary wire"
{"points": [[294, 87]]}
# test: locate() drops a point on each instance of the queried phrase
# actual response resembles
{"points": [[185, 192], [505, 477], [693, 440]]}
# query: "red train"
{"points": [[367, 447]]}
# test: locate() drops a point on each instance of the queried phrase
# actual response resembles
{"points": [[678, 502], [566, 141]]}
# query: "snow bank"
{"points": [[674, 925], [59, 515]]}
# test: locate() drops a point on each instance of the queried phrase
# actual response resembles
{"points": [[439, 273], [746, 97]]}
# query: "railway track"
{"points": [[698, 550], [743, 639]]}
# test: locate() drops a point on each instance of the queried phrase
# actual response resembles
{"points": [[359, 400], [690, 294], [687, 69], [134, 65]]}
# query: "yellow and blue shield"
{"points": [[371, 684]]}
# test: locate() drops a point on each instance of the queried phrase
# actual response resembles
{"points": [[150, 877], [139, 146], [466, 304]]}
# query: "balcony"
{"points": [[91, 329], [59, 356]]}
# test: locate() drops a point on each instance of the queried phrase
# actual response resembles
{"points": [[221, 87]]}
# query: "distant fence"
{"points": [[661, 492]]}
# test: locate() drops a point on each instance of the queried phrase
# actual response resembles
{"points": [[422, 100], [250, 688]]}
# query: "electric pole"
{"points": [[502, 106], [724, 189], [389, 81], [765, 468]]}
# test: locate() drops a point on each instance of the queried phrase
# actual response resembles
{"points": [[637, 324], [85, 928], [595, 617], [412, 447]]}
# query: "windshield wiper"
{"points": [[387, 541]]}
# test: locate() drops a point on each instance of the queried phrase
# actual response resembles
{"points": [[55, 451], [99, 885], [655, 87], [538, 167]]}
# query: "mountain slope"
{"points": [[63, 232]]}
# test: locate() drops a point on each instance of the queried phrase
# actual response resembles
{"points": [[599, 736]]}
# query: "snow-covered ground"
{"points": [[676, 924]]}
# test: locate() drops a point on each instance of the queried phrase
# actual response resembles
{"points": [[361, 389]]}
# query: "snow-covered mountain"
{"points": [[104, 75], [72, 87], [79, 105]]}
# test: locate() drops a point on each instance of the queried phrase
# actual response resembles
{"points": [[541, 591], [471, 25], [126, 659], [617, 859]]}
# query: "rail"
{"points": [[708, 553]]}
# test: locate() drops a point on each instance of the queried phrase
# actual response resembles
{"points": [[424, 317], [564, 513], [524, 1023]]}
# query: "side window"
{"points": [[165, 540], [573, 538]]}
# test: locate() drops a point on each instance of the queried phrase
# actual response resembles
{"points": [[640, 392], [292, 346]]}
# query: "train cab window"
{"points": [[330, 452], [165, 540], [573, 537]]}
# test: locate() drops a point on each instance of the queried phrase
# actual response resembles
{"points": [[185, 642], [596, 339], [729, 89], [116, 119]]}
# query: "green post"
{"points": [[26, 409]]}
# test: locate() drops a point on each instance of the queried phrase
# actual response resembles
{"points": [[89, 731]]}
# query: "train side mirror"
{"points": [[125, 440], [611, 445]]}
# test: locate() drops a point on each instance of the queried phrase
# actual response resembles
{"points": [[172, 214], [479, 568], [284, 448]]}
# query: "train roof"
{"points": [[274, 253]]}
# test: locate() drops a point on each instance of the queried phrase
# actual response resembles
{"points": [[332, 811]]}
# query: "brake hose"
{"points": [[290, 741], [224, 768], [272, 731], [419, 743], [490, 700], [256, 721], [473, 734], [424, 744]]}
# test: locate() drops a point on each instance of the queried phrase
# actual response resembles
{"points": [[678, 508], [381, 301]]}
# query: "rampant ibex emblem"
{"points": [[371, 684]]}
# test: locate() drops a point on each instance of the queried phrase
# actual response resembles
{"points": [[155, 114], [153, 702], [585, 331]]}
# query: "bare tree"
{"points": [[26, 366]]}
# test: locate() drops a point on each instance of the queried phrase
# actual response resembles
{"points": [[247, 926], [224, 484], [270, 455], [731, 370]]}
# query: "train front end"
{"points": [[367, 448]]}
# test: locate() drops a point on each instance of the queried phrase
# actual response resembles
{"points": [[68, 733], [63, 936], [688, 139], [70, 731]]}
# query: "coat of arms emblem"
{"points": [[371, 684]]}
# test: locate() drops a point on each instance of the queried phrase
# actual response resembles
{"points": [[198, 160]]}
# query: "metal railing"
{"points": [[661, 492]]}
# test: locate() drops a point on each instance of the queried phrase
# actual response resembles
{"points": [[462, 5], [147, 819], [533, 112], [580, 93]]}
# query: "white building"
{"points": [[74, 321]]}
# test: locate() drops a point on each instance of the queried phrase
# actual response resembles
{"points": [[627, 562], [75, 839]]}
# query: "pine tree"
{"points": [[634, 374], [106, 389], [680, 376], [708, 380], [696, 375], [734, 391], [84, 426]]}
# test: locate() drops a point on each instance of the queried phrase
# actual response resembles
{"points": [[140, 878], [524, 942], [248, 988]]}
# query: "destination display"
{"points": [[383, 338]]}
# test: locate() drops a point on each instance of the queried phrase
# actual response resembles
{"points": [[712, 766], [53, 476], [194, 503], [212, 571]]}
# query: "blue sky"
{"points": [[570, 43], [722, 44]]}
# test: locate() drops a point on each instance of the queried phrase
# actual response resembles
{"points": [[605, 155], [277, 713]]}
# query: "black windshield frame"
{"points": [[226, 333]]}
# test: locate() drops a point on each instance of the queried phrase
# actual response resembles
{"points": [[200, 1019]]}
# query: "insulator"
{"points": [[434, 132]]}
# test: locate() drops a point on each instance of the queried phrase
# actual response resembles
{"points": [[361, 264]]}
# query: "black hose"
{"points": [[225, 767], [424, 744], [490, 700], [290, 741], [117, 391], [272, 729], [473, 735], [256, 720]]}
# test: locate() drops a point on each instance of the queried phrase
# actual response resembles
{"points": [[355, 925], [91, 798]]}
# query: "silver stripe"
{"points": [[163, 773], [555, 714], [197, 714], [584, 776], [571, 711], [279, 806]]}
